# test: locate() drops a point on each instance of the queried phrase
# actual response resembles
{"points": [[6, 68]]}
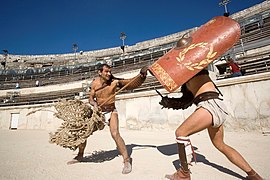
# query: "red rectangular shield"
{"points": [[206, 44]]}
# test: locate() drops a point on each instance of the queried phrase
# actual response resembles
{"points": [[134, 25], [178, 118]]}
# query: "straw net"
{"points": [[79, 122]]}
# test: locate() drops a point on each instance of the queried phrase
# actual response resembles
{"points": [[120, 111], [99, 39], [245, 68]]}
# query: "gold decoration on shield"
{"points": [[199, 65]]}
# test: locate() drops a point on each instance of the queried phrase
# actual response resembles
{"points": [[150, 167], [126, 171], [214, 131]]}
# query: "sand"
{"points": [[27, 155]]}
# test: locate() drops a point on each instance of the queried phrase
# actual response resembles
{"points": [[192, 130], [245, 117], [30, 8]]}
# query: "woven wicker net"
{"points": [[80, 121]]}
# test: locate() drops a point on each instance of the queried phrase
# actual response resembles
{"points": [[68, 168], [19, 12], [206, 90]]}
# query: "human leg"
{"points": [[183, 172], [79, 156], [197, 121], [114, 129], [217, 138], [81, 149]]}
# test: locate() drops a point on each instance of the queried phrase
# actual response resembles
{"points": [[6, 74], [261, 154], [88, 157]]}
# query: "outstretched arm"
{"points": [[135, 81]]}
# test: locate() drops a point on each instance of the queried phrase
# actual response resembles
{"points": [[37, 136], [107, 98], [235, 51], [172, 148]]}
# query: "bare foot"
{"points": [[75, 160]]}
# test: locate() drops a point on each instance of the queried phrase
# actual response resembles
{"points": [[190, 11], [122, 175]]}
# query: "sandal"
{"points": [[127, 166], [179, 175]]}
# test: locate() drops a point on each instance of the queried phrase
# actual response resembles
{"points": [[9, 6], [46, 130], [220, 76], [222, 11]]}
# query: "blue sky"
{"points": [[31, 27]]}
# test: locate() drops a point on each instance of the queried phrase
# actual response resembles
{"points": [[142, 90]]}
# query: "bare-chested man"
{"points": [[210, 114], [102, 88]]}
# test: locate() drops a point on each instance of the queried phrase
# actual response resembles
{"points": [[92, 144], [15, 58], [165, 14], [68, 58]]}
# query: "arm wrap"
{"points": [[136, 82]]}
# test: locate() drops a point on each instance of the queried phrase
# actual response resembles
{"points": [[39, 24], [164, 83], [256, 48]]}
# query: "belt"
{"points": [[108, 108], [206, 96]]}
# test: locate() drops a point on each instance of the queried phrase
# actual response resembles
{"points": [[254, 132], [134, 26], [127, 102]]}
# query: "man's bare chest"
{"points": [[106, 89]]}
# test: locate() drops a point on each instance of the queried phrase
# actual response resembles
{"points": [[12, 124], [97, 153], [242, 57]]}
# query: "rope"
{"points": [[124, 87]]}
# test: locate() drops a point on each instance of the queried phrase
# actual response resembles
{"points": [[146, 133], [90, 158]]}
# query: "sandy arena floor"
{"points": [[27, 155]]}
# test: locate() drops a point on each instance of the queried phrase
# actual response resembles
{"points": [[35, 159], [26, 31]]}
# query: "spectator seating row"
{"points": [[38, 98], [252, 63]]}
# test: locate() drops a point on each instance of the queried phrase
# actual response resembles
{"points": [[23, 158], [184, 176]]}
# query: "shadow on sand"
{"points": [[101, 156], [168, 150], [171, 149]]}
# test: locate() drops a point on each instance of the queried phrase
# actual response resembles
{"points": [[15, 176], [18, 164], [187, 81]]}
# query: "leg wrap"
{"points": [[182, 156], [189, 151]]}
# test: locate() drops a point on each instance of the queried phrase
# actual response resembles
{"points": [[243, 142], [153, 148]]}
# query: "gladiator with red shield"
{"points": [[185, 66]]}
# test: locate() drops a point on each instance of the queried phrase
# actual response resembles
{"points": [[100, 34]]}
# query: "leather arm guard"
{"points": [[183, 102], [136, 81]]}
